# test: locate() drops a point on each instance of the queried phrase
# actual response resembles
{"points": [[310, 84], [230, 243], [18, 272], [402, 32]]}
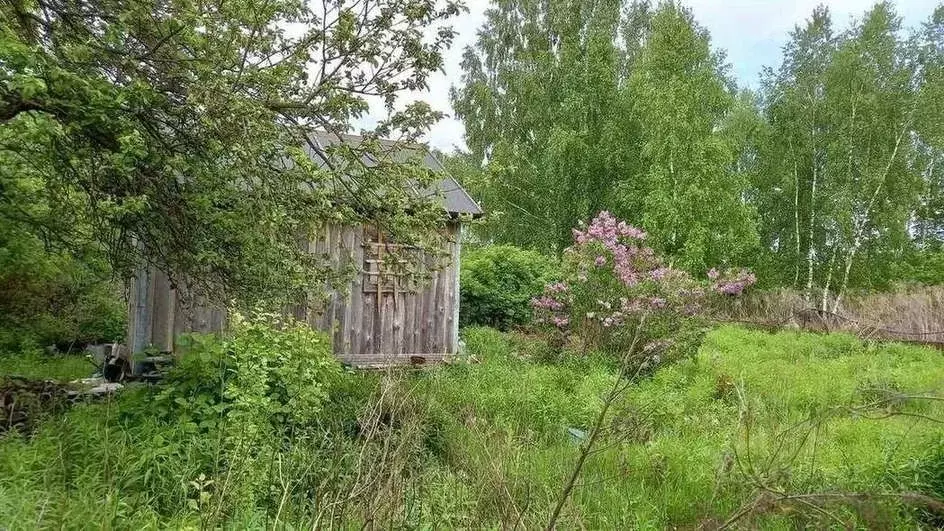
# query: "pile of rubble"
{"points": [[24, 401]]}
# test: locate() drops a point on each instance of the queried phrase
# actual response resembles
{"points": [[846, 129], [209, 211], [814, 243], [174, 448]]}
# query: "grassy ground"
{"points": [[752, 415], [39, 365], [694, 443]]}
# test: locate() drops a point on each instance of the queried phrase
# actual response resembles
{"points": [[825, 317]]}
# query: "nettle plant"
{"points": [[620, 297]]}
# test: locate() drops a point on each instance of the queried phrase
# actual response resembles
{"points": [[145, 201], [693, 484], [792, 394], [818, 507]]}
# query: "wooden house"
{"points": [[379, 319]]}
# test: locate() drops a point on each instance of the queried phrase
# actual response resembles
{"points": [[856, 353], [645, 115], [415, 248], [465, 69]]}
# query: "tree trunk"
{"points": [[845, 278], [810, 253], [796, 218], [829, 279]]}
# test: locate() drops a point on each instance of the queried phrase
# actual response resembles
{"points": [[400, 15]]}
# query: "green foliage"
{"points": [[90, 466], [178, 134], [540, 100], [825, 180], [52, 297], [268, 375], [926, 50], [202, 445], [255, 394], [848, 166], [560, 395], [497, 284], [580, 107], [489, 443], [688, 190], [924, 266]]}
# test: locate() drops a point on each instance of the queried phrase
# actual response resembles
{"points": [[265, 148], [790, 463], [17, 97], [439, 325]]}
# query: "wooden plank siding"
{"points": [[373, 321]]}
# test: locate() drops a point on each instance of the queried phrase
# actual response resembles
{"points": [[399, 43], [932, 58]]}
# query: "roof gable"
{"points": [[455, 199]]}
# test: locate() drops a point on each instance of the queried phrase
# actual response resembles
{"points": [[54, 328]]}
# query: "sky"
{"points": [[752, 32]]}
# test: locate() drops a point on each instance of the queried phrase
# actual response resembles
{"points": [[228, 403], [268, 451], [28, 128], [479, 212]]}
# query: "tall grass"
{"points": [[676, 450], [489, 445], [36, 364]]}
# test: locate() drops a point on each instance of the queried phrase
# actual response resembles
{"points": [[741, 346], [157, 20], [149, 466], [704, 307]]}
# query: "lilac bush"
{"points": [[731, 282], [619, 294]]}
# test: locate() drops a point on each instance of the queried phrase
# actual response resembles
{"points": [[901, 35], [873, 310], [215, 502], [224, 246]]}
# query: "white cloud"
{"points": [[751, 31], [448, 132]]}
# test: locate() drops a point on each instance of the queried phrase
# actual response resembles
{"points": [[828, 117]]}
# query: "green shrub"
{"points": [[255, 391], [236, 433], [54, 297], [497, 284], [268, 374]]}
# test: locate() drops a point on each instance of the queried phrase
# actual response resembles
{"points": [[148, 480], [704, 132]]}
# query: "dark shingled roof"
{"points": [[456, 199]]}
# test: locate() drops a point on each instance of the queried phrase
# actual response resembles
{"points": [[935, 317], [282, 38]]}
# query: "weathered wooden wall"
{"points": [[159, 312], [382, 318]]}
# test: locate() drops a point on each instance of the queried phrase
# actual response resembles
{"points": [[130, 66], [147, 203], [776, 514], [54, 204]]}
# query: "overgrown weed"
{"points": [[489, 444]]}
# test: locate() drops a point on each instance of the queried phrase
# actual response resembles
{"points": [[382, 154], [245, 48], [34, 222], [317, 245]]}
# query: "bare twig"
{"points": [[587, 448]]}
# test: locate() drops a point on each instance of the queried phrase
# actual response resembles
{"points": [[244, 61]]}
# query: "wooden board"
{"points": [[385, 322]]}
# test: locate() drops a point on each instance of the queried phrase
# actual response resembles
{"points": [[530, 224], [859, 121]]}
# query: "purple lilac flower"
{"points": [[657, 302], [556, 287], [734, 283], [547, 303], [659, 273]]}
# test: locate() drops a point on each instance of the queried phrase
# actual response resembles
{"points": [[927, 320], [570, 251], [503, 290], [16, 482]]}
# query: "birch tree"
{"points": [[689, 188], [541, 105], [871, 106], [576, 107], [788, 186], [846, 167], [927, 49]]}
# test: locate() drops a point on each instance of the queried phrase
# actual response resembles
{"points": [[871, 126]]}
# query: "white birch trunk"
{"points": [[863, 223], [796, 218], [829, 279], [810, 253]]}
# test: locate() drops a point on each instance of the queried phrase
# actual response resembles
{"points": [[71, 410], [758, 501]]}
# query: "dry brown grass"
{"points": [[914, 314]]}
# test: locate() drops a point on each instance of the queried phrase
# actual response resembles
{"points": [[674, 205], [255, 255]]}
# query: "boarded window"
{"points": [[388, 266]]}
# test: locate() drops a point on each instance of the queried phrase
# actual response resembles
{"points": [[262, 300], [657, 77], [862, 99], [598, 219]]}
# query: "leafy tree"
{"points": [[688, 189], [54, 298], [175, 132], [845, 173], [792, 153], [540, 102], [51, 293], [928, 56], [824, 181], [870, 106], [576, 107]]}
